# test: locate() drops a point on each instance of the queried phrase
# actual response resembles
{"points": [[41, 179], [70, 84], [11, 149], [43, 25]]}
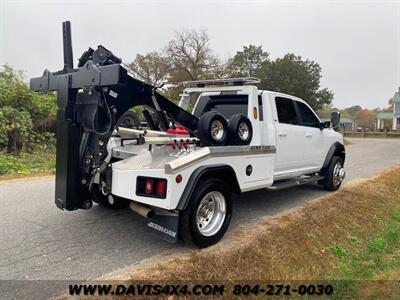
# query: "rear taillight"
{"points": [[151, 187], [161, 185]]}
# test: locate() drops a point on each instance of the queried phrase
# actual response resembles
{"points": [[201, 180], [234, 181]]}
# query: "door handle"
{"points": [[309, 135], [282, 133]]}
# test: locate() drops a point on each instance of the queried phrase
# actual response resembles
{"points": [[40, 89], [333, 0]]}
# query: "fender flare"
{"points": [[337, 149], [208, 171]]}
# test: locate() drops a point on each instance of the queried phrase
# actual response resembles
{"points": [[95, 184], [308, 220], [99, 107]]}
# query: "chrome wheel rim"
{"points": [[244, 131], [217, 130], [210, 214], [338, 174]]}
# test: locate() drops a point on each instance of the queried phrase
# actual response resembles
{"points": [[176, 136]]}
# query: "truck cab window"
{"points": [[286, 111], [308, 118], [260, 109], [227, 105]]}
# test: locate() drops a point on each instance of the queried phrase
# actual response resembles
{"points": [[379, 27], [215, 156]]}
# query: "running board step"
{"points": [[280, 185]]}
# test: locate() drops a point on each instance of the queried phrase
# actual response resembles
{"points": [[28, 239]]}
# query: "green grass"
{"points": [[27, 163], [350, 239], [370, 258], [339, 251]]}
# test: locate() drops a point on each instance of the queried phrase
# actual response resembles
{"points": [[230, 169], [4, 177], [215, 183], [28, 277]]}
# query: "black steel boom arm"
{"points": [[90, 98]]}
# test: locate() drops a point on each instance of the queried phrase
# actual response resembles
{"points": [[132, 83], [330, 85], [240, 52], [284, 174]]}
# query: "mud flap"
{"points": [[164, 227]]}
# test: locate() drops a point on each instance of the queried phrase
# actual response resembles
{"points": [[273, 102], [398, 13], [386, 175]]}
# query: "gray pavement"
{"points": [[39, 241]]}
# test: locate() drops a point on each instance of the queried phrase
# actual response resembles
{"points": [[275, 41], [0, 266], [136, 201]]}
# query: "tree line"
{"points": [[189, 56], [27, 119], [362, 117]]}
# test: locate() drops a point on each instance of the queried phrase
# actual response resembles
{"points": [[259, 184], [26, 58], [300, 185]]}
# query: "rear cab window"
{"points": [[286, 111], [227, 105]]}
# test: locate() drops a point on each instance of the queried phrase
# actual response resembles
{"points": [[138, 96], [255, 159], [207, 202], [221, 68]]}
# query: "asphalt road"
{"points": [[39, 241]]}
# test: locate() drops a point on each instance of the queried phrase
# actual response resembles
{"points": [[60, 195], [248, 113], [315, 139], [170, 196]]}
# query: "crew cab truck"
{"points": [[180, 171]]}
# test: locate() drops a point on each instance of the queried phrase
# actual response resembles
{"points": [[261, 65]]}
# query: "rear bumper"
{"points": [[124, 185]]}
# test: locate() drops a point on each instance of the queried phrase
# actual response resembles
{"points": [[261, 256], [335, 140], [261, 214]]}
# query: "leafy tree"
{"points": [[247, 63], [16, 126], [188, 56], [173, 92], [325, 111], [352, 110], [191, 57], [293, 75], [365, 118], [153, 68], [10, 76], [387, 109], [25, 117]]}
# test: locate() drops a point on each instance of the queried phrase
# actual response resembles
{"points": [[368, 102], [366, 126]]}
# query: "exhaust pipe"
{"points": [[142, 210]]}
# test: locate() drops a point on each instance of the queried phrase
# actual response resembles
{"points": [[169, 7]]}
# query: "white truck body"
{"points": [[277, 151]]}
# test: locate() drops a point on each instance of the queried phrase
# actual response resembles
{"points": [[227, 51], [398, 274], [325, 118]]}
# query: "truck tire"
{"points": [[240, 130], [128, 119], [212, 129], [334, 174], [208, 214], [99, 198]]}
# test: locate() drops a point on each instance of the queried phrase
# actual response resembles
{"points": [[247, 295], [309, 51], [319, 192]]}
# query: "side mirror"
{"points": [[335, 119], [326, 124]]}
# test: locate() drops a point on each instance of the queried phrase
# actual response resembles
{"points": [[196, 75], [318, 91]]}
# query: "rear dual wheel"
{"points": [[208, 214]]}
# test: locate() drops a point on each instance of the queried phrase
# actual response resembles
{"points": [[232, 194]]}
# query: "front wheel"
{"points": [[334, 174], [208, 214]]}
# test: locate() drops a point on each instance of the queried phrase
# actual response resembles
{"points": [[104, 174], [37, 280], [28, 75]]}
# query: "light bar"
{"points": [[222, 82]]}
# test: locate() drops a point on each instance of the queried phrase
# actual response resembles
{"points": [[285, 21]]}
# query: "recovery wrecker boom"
{"points": [[90, 98]]}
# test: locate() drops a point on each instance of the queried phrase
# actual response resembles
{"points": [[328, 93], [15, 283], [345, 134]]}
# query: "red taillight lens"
{"points": [[149, 186], [160, 188]]}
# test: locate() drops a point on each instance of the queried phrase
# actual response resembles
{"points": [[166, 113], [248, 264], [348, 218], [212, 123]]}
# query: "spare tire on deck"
{"points": [[240, 130], [212, 129]]}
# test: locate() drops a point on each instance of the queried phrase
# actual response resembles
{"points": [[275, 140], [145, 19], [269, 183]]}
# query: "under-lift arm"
{"points": [[90, 99]]}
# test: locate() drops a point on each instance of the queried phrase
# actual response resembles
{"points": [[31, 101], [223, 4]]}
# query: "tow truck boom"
{"points": [[90, 98]]}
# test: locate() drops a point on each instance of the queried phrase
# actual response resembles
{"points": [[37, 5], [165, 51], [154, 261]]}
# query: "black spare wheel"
{"points": [[128, 120], [109, 201], [212, 129], [240, 130]]}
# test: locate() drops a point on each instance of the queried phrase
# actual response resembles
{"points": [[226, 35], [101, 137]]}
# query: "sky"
{"points": [[356, 43]]}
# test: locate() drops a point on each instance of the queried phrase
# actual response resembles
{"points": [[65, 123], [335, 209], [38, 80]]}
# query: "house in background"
{"points": [[390, 119], [384, 120], [347, 124]]}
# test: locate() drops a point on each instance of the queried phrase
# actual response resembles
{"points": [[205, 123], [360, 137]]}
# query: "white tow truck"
{"points": [[181, 170], [263, 139]]}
